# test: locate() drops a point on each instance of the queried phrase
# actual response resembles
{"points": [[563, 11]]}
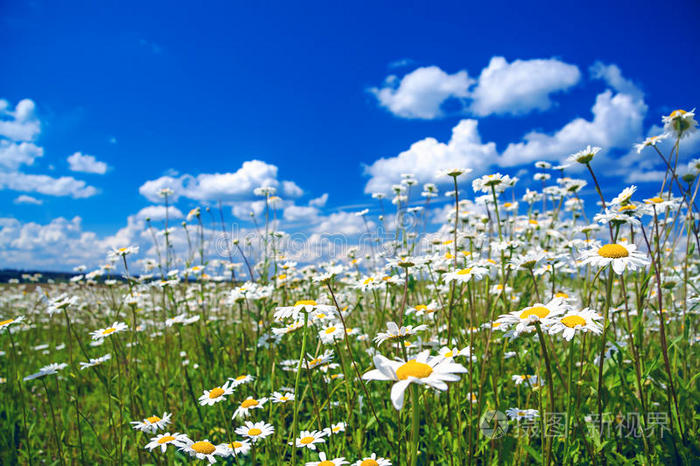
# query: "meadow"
{"points": [[530, 328]]}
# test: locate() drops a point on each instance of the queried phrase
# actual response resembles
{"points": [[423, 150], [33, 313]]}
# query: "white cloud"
{"points": [[157, 212], [227, 187], [86, 163], [20, 124], [422, 92], [617, 123], [295, 212], [290, 189], [612, 75], [319, 201], [521, 86], [24, 199], [44, 184], [13, 154], [425, 157]]}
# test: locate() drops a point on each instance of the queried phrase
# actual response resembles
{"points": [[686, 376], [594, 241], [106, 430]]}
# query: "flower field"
{"points": [[530, 328]]}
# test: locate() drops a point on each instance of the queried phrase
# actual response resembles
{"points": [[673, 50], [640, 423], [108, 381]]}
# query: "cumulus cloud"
{"points": [[24, 199], [502, 88], [157, 212], [422, 92], [290, 189], [86, 163], [521, 86], [295, 212], [13, 154], [44, 184], [319, 201], [18, 128], [617, 123], [425, 157], [20, 124], [227, 187]]}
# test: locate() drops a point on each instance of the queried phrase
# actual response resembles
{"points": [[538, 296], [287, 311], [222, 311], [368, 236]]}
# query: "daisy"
{"points": [[394, 332], [519, 379], [649, 142], [680, 123], [203, 449], [335, 428], [309, 439], [573, 321], [584, 156], [451, 353], [95, 361], [153, 423], [303, 306], [313, 362], [278, 397], [423, 310], [215, 395], [487, 182], [518, 414], [6, 323], [464, 275], [453, 172], [624, 197], [163, 440], [372, 461], [424, 370], [250, 403], [123, 252], [621, 256], [51, 369], [255, 431], [240, 380], [236, 448], [324, 461], [524, 318], [331, 333], [105, 332]]}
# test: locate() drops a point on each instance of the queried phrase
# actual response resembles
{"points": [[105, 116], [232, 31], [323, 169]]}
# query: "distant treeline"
{"points": [[43, 277]]}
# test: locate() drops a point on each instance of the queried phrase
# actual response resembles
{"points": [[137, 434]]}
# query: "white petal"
{"points": [[397, 393]]}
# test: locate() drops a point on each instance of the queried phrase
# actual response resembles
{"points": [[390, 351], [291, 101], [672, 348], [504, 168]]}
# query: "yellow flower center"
{"points": [[165, 439], [521, 413], [107, 331], [305, 302], [330, 330], [507, 204], [326, 463], [254, 432], [654, 200], [216, 392], [369, 462], [627, 207], [532, 221], [677, 113], [449, 354], [6, 322], [421, 307], [561, 294], [313, 362], [235, 445], [539, 311], [203, 447], [336, 429], [573, 321], [413, 368], [284, 398], [153, 419], [249, 403], [368, 281], [466, 271], [306, 440], [241, 377], [613, 251]]}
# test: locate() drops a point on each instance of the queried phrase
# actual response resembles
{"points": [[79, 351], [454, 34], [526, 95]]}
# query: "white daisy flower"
{"points": [[203, 450], [278, 397], [309, 439], [240, 380], [95, 361], [152, 424], [465, 275], [372, 461], [249, 403], [680, 123], [424, 370], [584, 156], [331, 333], [518, 414], [394, 332], [576, 321], [306, 305], [324, 461], [335, 429], [163, 440], [524, 318], [237, 447], [255, 431], [621, 256], [216, 394], [105, 332]]}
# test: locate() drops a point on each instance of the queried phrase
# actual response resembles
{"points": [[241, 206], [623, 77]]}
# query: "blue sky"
{"points": [[154, 89]]}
